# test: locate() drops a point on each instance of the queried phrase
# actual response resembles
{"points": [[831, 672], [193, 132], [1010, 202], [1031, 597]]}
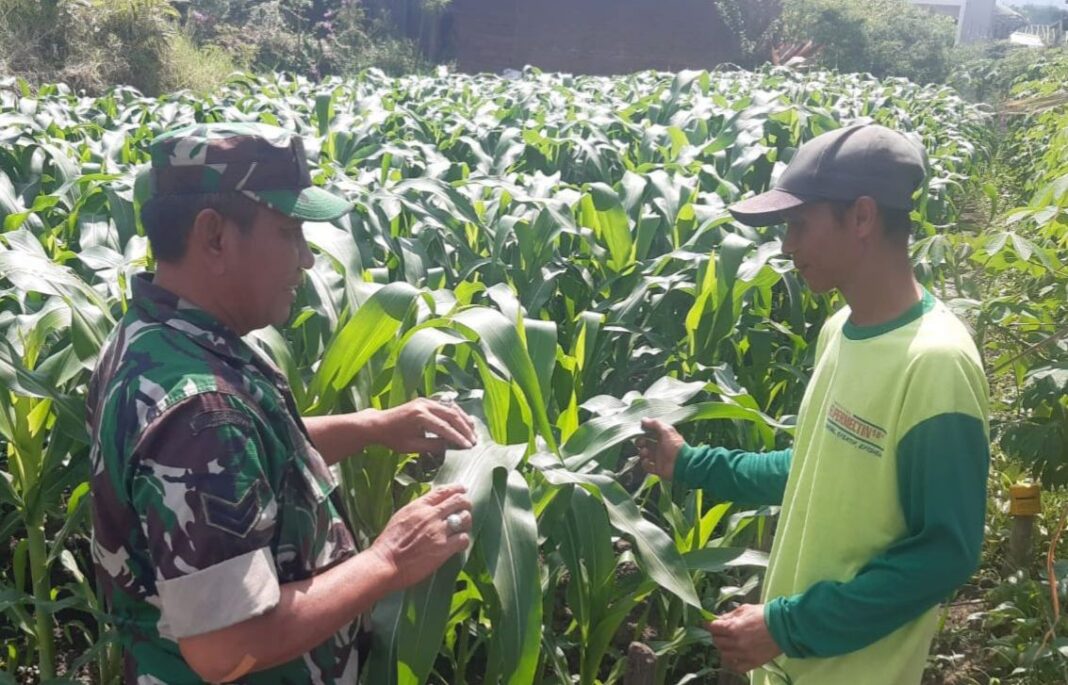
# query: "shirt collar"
{"points": [[159, 304], [855, 332]]}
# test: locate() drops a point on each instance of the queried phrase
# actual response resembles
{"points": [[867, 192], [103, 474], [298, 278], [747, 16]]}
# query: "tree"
{"points": [[754, 24], [882, 37]]}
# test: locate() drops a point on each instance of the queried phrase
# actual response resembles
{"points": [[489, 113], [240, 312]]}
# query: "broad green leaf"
{"points": [[602, 433], [603, 212], [34, 273], [409, 625], [509, 543], [656, 551], [417, 351], [501, 339], [371, 327], [716, 559]]}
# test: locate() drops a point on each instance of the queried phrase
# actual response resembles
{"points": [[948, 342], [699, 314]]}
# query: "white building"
{"points": [[975, 18]]}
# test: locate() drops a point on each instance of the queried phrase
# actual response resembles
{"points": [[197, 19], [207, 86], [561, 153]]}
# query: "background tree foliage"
{"points": [[754, 24], [882, 37], [89, 44], [1042, 14], [159, 45]]}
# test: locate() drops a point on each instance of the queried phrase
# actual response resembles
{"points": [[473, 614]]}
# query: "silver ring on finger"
{"points": [[454, 524]]}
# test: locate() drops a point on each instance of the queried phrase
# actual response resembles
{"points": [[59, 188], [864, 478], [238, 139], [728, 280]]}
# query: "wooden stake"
{"points": [[641, 665], [1021, 542], [1024, 504]]}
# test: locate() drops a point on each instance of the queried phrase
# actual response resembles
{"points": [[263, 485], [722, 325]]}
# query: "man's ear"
{"points": [[866, 216], [206, 238]]}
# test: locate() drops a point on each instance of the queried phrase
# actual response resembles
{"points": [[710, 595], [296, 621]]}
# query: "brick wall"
{"points": [[588, 36]]}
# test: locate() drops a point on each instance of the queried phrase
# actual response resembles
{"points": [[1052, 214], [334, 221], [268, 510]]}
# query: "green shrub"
{"points": [[88, 44], [985, 72], [753, 24], [199, 69], [881, 37], [314, 39], [94, 44], [34, 35], [125, 41]]}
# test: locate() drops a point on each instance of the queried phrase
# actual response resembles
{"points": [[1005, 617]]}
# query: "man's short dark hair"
{"points": [[897, 223], [168, 219]]}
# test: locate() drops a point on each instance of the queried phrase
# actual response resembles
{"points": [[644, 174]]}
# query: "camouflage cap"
{"points": [[265, 163]]}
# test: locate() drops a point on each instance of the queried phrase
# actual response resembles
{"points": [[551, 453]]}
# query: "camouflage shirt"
{"points": [[207, 492]]}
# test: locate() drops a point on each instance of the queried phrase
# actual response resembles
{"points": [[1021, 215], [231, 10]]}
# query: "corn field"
{"points": [[554, 250]]}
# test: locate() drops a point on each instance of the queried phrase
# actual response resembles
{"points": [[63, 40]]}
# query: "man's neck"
{"points": [[192, 290], [882, 294]]}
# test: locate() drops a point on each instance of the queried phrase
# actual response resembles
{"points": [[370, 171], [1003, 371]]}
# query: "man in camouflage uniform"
{"points": [[219, 538]]}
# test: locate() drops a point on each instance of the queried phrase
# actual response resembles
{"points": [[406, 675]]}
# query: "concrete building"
{"points": [[975, 18]]}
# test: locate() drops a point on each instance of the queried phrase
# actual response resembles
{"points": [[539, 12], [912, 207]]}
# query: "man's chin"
{"points": [[279, 317], [816, 286]]}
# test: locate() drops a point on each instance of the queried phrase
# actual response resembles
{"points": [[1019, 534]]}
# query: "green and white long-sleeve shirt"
{"points": [[883, 497]]}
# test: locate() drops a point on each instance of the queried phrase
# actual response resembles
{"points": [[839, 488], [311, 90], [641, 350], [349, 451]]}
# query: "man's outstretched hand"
{"points": [[405, 428], [417, 540], [743, 639], [659, 448]]}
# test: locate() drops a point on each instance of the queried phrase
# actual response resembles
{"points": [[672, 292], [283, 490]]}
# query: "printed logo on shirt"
{"points": [[856, 431]]}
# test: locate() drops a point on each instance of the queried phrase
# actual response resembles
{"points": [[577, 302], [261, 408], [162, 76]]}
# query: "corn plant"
{"points": [[553, 250]]}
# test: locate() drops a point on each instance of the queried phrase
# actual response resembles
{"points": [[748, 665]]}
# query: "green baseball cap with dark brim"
{"points": [[265, 163], [841, 166]]}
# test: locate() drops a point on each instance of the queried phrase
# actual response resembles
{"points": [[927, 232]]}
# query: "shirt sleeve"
{"points": [[754, 478], [942, 473], [207, 512]]}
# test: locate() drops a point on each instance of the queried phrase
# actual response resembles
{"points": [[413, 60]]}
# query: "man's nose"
{"points": [[789, 243], [307, 259]]}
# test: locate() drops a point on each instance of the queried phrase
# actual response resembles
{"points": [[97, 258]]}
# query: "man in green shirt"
{"points": [[884, 490], [219, 536]]}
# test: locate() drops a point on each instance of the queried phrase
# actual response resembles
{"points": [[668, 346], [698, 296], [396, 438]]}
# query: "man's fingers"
{"points": [[721, 629], [729, 657], [454, 505], [654, 426], [458, 543], [727, 645], [468, 419], [466, 521], [445, 430], [732, 650], [439, 494], [463, 423], [456, 417]]}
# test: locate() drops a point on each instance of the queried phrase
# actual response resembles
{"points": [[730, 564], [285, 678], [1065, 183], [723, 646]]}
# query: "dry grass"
{"points": [[1035, 105]]}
